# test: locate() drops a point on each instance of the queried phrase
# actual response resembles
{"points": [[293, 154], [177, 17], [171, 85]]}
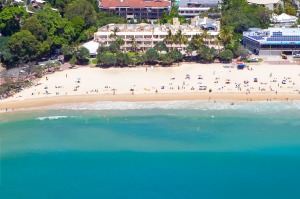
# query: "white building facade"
{"points": [[270, 4], [148, 35]]}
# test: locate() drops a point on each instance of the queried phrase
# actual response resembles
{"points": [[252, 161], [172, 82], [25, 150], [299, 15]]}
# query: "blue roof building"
{"points": [[272, 41]]}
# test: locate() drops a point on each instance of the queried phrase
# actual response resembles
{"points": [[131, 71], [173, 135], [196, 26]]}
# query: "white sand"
{"points": [[97, 84], [124, 79]]}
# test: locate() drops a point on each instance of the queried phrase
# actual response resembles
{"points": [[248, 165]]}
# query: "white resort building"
{"points": [[192, 8], [147, 35], [270, 4], [283, 20]]}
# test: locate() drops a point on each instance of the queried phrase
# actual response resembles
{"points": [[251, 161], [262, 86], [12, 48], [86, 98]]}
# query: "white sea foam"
{"points": [[255, 107], [53, 117], [142, 105], [190, 105]]}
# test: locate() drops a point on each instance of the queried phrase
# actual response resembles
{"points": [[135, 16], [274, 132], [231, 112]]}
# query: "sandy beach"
{"points": [[258, 82]]}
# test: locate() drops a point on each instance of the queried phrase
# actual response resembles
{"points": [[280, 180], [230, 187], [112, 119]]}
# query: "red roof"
{"points": [[134, 3]]}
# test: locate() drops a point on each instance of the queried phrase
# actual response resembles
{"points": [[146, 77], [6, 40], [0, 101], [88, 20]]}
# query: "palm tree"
{"points": [[197, 41], [134, 44], [114, 34], [218, 42], [169, 39], [180, 38], [206, 36], [120, 42], [226, 35]]}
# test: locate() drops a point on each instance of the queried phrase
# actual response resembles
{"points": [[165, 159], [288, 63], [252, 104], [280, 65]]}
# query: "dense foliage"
{"points": [[47, 29], [30, 37], [241, 15]]}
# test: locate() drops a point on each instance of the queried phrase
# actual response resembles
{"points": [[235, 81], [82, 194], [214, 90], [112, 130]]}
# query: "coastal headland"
{"points": [[214, 82]]}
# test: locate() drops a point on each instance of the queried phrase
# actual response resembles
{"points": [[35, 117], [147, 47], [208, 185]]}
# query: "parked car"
{"points": [[296, 56], [253, 60], [283, 56]]}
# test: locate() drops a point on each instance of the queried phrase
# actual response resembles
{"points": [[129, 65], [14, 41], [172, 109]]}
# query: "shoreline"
{"points": [[213, 97], [189, 82]]}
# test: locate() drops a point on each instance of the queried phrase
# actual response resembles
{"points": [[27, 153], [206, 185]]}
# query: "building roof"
{"points": [[263, 2], [156, 29], [134, 3], [284, 18], [278, 36], [92, 46], [183, 3]]}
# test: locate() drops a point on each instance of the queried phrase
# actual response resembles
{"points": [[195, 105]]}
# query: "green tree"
{"points": [[242, 52], [226, 55], [280, 9], [59, 29], [197, 41], [6, 56], [123, 59], [167, 18], [10, 20], [107, 60], [95, 4], [176, 55], [161, 46], [114, 47], [166, 59], [218, 42], [33, 25], [84, 9], [289, 9], [82, 55], [152, 55], [67, 51], [206, 37], [45, 48], [226, 35], [24, 45], [102, 49], [240, 15], [120, 41], [78, 24], [114, 35], [73, 61], [134, 44], [88, 34], [104, 18], [207, 54], [60, 4], [180, 38], [190, 49], [141, 59], [169, 38]]}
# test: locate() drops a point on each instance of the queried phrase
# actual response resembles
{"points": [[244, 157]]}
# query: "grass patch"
{"points": [[94, 61]]}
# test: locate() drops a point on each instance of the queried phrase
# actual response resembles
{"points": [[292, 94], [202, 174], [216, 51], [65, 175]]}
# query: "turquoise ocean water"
{"points": [[187, 149]]}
